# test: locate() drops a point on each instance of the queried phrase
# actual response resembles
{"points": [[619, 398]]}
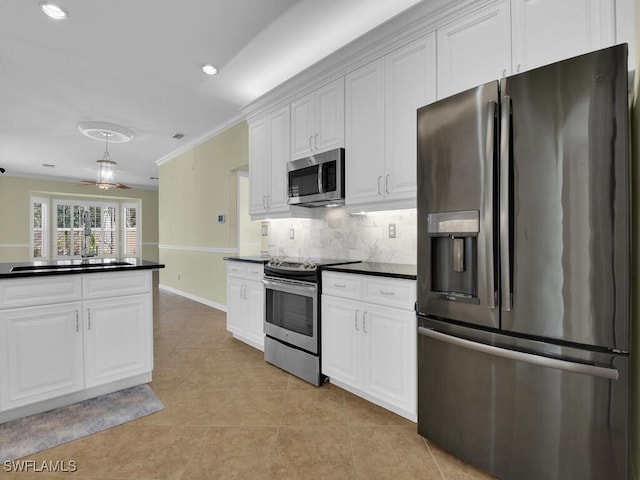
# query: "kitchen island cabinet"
{"points": [[69, 334], [369, 338]]}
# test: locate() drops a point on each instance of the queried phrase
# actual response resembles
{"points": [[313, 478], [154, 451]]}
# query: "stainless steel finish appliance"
{"points": [[292, 316], [523, 271], [317, 180]]}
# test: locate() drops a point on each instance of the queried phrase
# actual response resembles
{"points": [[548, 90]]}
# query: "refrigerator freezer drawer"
{"points": [[522, 416]]}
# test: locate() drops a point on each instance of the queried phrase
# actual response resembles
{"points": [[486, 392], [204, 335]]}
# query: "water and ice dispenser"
{"points": [[454, 254]]}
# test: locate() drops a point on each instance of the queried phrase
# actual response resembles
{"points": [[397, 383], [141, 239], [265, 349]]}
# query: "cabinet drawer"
{"points": [[342, 285], [236, 269], [115, 284], [255, 271], [390, 292], [23, 292], [247, 270]]}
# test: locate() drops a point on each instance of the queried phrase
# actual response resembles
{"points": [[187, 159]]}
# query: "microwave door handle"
{"points": [[320, 182], [505, 247], [488, 206]]}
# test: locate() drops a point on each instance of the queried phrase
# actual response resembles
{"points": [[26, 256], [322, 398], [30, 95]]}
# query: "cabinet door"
{"points": [[255, 313], [340, 335], [329, 117], [474, 49], [545, 31], [389, 356], [279, 155], [301, 127], [364, 133], [258, 166], [118, 338], [410, 84], [235, 305], [40, 353]]}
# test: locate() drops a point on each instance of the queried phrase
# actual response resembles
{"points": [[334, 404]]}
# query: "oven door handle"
{"points": [[291, 286]]}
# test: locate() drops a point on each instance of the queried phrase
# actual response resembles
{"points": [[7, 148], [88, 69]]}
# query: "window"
{"points": [[39, 227], [78, 226], [131, 238]]}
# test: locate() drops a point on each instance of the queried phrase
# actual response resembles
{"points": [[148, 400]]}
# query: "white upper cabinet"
{"points": [[317, 121], [269, 143], [364, 134], [410, 83], [474, 49], [545, 31], [381, 99], [258, 166]]}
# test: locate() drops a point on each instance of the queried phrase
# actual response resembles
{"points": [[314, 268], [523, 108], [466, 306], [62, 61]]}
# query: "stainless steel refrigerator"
{"points": [[524, 270]]}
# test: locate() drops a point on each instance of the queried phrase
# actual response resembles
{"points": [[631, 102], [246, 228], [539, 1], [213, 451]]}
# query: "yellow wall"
{"points": [[195, 188], [15, 195]]}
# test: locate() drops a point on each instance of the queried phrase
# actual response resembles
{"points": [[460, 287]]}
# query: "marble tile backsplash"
{"points": [[343, 236]]}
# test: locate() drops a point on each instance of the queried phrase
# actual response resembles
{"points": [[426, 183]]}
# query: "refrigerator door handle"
{"points": [[538, 360], [488, 208], [505, 247]]}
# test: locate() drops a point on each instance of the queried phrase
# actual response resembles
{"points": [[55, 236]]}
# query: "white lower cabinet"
{"points": [[41, 353], [369, 348], [54, 353], [117, 338], [245, 302]]}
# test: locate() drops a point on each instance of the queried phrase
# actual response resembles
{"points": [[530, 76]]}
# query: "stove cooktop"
{"points": [[296, 263]]}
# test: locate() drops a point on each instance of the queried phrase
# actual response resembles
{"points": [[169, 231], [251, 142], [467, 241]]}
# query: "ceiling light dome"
{"points": [[209, 69], [54, 11], [97, 130]]}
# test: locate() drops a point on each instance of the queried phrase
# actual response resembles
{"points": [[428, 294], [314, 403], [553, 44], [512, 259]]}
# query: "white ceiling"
{"points": [[136, 63]]}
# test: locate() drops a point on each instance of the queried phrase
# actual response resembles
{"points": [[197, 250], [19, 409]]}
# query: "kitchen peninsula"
{"points": [[73, 330]]}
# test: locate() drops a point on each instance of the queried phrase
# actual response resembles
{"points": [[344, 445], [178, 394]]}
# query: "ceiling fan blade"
{"points": [[123, 186], [87, 182]]}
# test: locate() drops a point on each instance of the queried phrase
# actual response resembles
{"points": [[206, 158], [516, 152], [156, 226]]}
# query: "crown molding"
{"points": [[412, 24], [201, 139]]}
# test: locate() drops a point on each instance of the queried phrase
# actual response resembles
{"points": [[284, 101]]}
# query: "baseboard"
{"points": [[209, 303]]}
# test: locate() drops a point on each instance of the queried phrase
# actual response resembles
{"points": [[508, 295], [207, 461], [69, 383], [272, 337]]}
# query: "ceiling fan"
{"points": [[106, 177]]}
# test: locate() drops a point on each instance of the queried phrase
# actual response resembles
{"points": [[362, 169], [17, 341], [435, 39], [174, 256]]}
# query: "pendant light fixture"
{"points": [[109, 132], [106, 167]]}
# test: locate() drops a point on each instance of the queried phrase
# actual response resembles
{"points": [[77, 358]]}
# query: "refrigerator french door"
{"points": [[523, 271]]}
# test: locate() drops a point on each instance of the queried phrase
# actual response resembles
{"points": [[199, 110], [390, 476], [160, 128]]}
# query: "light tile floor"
{"points": [[229, 415]]}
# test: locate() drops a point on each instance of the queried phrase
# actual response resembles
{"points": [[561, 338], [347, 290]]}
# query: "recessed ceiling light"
{"points": [[54, 11], [209, 69]]}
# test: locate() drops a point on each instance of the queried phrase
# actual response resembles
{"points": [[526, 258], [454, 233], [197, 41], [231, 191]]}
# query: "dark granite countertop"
{"points": [[250, 259], [393, 270], [66, 267]]}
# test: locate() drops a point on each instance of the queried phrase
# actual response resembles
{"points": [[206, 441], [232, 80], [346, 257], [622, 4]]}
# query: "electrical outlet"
{"points": [[392, 230], [291, 233]]}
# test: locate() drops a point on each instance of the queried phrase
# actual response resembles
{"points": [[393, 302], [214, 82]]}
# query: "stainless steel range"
{"points": [[292, 315]]}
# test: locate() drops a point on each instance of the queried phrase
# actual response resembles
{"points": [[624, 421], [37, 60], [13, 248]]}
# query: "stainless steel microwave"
{"points": [[317, 180]]}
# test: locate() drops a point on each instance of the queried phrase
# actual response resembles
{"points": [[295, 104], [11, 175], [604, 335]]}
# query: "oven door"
{"points": [[291, 313]]}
